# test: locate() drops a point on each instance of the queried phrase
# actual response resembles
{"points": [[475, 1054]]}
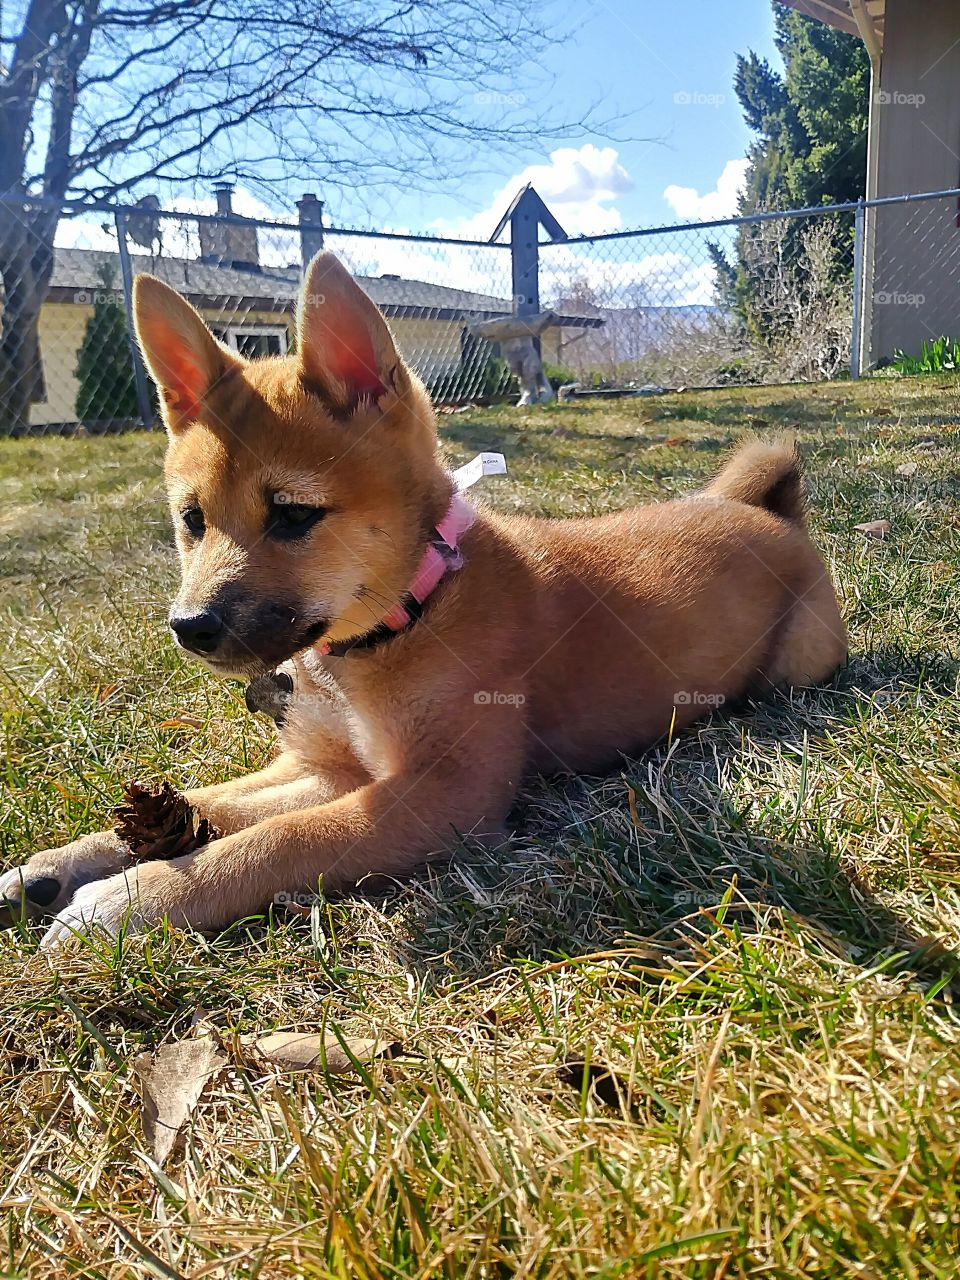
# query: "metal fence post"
{"points": [[856, 355], [126, 274]]}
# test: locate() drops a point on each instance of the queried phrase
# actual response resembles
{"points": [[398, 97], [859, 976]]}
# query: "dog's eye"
{"points": [[193, 518], [293, 519]]}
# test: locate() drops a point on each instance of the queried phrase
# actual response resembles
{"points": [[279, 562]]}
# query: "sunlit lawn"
{"points": [[737, 927]]}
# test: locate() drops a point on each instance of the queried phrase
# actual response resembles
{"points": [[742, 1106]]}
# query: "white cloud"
{"points": [[579, 184], [88, 231], [666, 278], [688, 204]]}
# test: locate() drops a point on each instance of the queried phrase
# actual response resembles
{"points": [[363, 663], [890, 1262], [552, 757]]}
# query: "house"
{"points": [[913, 146], [251, 306]]}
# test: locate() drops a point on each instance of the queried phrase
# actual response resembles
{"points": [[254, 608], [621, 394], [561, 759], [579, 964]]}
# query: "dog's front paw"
{"points": [[132, 901], [30, 890], [44, 884], [104, 906]]}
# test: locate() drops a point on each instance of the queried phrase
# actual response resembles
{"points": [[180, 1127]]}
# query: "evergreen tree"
{"points": [[810, 149], [104, 369], [811, 121]]}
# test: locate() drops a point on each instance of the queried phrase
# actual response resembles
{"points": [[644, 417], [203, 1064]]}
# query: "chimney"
{"points": [[229, 244], [310, 210], [224, 194]]}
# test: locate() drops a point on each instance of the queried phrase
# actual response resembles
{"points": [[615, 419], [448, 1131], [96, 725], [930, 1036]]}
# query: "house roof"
{"points": [[79, 273], [862, 18]]}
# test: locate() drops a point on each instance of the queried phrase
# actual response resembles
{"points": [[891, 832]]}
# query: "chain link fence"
{"points": [[911, 276], [781, 297], [729, 302]]}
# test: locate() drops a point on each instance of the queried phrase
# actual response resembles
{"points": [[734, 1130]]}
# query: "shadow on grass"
{"points": [[661, 850]]}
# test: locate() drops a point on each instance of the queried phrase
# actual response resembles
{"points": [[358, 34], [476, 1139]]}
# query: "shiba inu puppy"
{"points": [[431, 651]]}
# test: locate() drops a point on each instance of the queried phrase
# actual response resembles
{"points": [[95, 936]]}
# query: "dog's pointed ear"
{"points": [[184, 358], [344, 346]]}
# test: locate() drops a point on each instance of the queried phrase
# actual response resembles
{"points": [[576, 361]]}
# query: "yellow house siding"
{"points": [[62, 325], [431, 346]]}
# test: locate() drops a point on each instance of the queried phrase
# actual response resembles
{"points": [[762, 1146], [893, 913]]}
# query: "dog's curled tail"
{"points": [[766, 474]]}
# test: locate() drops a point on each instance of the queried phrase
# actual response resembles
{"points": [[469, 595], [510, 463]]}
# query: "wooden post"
{"points": [[526, 215]]}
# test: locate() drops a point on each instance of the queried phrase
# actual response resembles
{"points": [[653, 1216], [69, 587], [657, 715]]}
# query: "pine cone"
{"points": [[156, 821]]}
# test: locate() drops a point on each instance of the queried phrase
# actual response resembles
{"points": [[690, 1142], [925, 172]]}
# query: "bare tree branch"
{"points": [[101, 98]]}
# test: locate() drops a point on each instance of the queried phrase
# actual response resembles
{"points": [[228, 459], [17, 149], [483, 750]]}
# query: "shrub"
{"points": [[104, 369], [469, 382], [558, 374]]}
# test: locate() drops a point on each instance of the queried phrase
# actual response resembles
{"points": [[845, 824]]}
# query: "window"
{"points": [[254, 340]]}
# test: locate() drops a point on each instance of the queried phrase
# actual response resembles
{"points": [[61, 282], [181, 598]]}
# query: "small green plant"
{"points": [[937, 356], [558, 375], [488, 381]]}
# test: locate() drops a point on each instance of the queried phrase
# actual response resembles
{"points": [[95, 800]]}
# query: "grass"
{"points": [[697, 1019]]}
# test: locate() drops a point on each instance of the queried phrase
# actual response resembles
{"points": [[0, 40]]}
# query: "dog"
{"points": [[434, 651]]}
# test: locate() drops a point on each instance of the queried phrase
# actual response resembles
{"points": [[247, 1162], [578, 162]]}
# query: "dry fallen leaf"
{"points": [[305, 1051], [182, 721], [908, 468], [634, 812], [65, 792], [172, 1081], [874, 529]]}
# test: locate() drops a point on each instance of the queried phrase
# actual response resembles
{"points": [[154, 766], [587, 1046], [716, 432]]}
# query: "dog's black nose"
{"points": [[200, 632]]}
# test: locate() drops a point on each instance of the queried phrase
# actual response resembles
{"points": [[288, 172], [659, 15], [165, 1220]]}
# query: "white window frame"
{"points": [[230, 332]]}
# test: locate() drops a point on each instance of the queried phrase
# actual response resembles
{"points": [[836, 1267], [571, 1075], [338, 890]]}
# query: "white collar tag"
{"points": [[484, 464]]}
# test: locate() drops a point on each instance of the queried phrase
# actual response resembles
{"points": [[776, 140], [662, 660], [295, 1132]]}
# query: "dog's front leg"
{"points": [[289, 782], [45, 883], [386, 827], [48, 880]]}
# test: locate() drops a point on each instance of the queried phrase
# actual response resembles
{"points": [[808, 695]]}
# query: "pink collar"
{"points": [[442, 556]]}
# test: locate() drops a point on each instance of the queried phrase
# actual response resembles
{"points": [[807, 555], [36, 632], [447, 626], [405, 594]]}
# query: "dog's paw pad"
{"points": [[43, 891], [22, 893]]}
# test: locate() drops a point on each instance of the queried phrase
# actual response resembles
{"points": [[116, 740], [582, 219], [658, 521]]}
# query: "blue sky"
{"points": [[663, 68], [668, 68]]}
